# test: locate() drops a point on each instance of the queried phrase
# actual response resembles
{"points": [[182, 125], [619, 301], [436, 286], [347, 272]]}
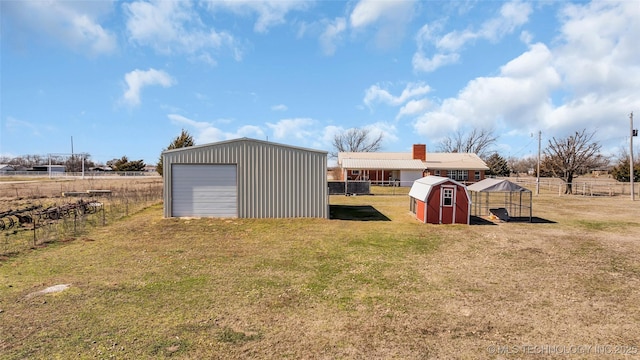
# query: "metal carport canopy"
{"points": [[496, 185], [489, 185]]}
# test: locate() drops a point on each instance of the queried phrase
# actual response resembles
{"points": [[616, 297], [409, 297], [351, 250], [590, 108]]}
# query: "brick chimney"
{"points": [[420, 152]]}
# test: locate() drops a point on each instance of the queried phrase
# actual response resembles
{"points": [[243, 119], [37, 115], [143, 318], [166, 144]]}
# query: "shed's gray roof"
{"points": [[496, 185]]}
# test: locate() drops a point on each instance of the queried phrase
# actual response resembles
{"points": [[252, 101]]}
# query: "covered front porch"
{"points": [[383, 172]]}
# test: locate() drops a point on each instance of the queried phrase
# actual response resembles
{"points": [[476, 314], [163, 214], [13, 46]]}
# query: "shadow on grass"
{"points": [[534, 220], [356, 213], [478, 220]]}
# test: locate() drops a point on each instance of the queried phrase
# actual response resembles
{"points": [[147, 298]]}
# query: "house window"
{"points": [[477, 175], [437, 172], [355, 172], [451, 174], [463, 175], [447, 197]]}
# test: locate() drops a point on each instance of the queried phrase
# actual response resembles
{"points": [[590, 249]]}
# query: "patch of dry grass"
{"points": [[147, 287]]}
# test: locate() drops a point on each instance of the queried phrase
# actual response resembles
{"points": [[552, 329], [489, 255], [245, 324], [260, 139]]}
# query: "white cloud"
{"points": [[172, 27], [367, 12], [207, 132], [447, 47], [519, 96], [269, 12], [425, 64], [587, 80], [75, 24], [332, 34], [387, 130], [137, 79], [388, 18], [598, 50], [376, 94], [298, 128], [413, 107], [279, 107]]}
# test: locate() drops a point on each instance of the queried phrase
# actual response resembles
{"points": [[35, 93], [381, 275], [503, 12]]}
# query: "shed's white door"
{"points": [[204, 190]]}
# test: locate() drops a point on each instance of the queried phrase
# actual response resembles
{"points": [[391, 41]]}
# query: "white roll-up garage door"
{"points": [[204, 190]]}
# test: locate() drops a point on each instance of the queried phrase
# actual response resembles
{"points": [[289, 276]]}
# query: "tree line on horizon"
{"points": [[563, 158], [74, 163]]}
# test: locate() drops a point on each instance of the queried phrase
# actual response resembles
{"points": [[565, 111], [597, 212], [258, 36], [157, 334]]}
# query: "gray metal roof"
{"points": [[240, 140], [496, 185]]}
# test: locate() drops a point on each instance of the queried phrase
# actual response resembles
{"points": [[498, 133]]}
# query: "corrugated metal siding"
{"points": [[274, 181]]}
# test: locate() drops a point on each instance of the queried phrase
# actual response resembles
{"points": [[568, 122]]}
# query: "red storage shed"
{"points": [[440, 200]]}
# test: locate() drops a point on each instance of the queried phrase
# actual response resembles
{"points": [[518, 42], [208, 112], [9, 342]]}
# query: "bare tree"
{"points": [[478, 141], [522, 165], [356, 140], [572, 156]]}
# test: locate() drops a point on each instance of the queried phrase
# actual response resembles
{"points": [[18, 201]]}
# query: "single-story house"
{"points": [[245, 178], [403, 168], [440, 200]]}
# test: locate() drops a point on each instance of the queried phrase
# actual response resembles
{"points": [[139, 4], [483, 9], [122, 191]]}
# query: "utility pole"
{"points": [[632, 133], [538, 172]]}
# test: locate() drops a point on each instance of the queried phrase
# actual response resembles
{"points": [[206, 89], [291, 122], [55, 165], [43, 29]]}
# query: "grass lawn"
{"points": [[389, 287]]}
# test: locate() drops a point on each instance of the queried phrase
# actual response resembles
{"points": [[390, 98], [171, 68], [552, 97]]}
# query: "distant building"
{"points": [[5, 168], [50, 168]]}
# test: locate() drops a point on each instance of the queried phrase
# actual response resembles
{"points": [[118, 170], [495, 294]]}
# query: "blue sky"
{"points": [[123, 78]]}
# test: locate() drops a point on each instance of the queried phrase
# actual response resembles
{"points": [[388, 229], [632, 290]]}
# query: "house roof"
{"points": [[5, 167], [496, 185], [383, 164], [398, 161], [455, 161], [422, 187], [374, 155]]}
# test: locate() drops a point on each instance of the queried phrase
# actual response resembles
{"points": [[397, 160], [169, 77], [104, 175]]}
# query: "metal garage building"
{"points": [[245, 178]]}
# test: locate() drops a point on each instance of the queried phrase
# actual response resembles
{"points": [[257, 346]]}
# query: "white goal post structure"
{"points": [[64, 158]]}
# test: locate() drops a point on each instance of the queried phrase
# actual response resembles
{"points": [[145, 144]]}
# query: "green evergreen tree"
{"points": [[182, 140], [123, 164], [620, 172], [498, 165]]}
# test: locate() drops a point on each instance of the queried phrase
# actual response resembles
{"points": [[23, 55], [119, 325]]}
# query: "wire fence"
{"points": [[583, 187], [550, 186], [44, 221]]}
